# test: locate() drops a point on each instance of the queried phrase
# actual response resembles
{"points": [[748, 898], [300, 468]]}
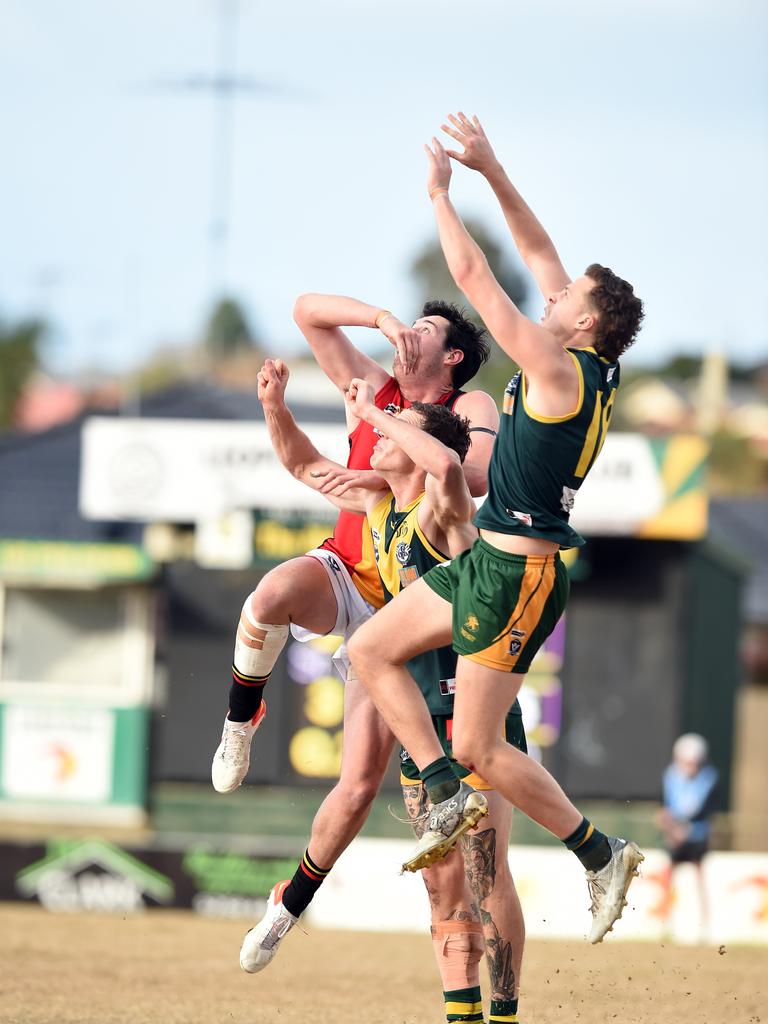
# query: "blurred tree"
{"points": [[228, 332], [435, 282], [19, 358], [680, 367]]}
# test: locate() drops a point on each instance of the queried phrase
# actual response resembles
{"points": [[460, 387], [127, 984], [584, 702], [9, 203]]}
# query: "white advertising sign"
{"points": [[623, 488], [183, 471], [57, 753], [553, 892]]}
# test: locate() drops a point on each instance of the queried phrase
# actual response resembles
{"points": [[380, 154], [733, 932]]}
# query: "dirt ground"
{"points": [[165, 967]]}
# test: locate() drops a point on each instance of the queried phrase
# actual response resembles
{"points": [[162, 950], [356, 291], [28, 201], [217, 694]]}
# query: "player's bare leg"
{"points": [[296, 591], [368, 744], [486, 860], [457, 935], [416, 621], [482, 698]]}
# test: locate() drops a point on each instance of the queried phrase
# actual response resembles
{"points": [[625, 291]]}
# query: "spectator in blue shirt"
{"points": [[689, 793]]}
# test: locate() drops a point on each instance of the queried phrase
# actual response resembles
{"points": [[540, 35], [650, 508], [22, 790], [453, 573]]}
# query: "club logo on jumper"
{"points": [[408, 575], [470, 627], [567, 500], [391, 408], [447, 687], [524, 517], [403, 553], [509, 394]]}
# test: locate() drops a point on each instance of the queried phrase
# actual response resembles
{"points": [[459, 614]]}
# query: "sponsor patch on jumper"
{"points": [[524, 517], [567, 499], [409, 574]]}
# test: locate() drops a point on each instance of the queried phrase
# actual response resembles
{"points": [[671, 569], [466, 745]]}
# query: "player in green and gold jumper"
{"points": [[499, 601], [423, 519]]}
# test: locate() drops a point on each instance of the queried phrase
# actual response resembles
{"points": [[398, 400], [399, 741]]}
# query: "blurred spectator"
{"points": [[689, 793]]}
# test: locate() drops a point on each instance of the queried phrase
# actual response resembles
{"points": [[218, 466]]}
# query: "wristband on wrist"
{"points": [[382, 316], [439, 191]]}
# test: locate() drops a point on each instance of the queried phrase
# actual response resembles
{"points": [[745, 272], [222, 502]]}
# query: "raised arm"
{"points": [[320, 319], [292, 446], [532, 347], [532, 241]]}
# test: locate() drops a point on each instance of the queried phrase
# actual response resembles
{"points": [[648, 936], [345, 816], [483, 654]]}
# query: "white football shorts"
{"points": [[352, 610]]}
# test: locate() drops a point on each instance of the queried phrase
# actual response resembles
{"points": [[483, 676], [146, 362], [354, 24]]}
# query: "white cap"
{"points": [[691, 747]]}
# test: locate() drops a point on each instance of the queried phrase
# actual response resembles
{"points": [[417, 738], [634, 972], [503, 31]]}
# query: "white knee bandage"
{"points": [[459, 948], [258, 644]]}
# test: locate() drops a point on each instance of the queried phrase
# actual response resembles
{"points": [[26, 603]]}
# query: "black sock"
{"points": [[245, 695], [589, 845], [440, 780], [503, 1010], [307, 879]]}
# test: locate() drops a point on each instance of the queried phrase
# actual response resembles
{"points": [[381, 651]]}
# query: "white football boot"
{"points": [[608, 886], [233, 755], [447, 821], [261, 943]]}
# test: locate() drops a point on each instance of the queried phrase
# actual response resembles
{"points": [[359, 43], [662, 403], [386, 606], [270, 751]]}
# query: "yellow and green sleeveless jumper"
{"points": [[539, 462]]}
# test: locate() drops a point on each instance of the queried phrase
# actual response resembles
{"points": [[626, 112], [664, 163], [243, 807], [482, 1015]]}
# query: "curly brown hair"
{"points": [[619, 312], [444, 424]]}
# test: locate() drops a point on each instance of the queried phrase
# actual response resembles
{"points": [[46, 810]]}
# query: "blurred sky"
{"points": [[636, 129]]}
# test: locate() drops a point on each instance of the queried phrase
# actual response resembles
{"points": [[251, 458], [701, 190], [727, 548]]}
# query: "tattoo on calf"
{"points": [[480, 862], [480, 865], [498, 955], [415, 798]]}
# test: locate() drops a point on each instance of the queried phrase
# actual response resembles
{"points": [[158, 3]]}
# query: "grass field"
{"points": [[165, 967]]}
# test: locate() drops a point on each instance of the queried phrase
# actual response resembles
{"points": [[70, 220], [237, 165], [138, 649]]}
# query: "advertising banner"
{"points": [[95, 875]]}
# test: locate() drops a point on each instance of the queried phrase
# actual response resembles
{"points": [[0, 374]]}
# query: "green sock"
{"points": [[440, 780], [464, 1004], [503, 1011], [590, 845]]}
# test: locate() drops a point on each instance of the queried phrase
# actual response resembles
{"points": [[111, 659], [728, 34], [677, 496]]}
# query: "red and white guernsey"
{"points": [[351, 541]]}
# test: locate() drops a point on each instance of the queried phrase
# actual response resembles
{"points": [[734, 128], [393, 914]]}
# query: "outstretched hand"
{"points": [[478, 153], [338, 480], [439, 173], [271, 382]]}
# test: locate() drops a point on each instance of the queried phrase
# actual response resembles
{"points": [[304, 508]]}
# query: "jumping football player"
{"points": [[497, 602]]}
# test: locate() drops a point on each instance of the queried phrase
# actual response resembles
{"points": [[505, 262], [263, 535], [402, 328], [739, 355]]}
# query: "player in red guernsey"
{"points": [[335, 588]]}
